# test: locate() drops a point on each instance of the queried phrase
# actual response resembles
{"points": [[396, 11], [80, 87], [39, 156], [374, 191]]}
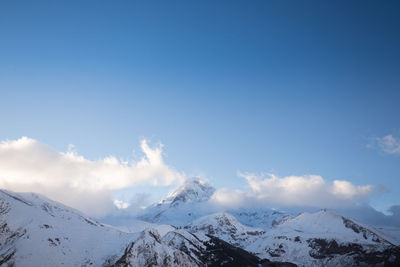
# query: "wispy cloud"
{"points": [[307, 190], [389, 144], [28, 165]]}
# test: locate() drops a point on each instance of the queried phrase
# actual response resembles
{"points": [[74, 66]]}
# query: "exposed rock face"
{"points": [[221, 253], [354, 254], [212, 251]]}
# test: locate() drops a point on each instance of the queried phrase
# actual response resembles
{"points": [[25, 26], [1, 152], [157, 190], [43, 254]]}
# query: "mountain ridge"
{"points": [[32, 226], [36, 231]]}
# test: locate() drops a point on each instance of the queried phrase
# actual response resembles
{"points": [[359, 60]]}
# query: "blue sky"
{"points": [[290, 88]]}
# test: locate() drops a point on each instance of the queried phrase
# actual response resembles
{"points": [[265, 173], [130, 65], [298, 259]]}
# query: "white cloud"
{"points": [[308, 190], [227, 198], [121, 204], [389, 144], [27, 165]]}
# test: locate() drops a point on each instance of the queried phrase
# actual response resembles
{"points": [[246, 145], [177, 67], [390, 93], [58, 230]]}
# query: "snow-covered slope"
{"points": [[133, 225], [148, 249], [33, 227], [264, 218], [325, 238], [226, 227]]}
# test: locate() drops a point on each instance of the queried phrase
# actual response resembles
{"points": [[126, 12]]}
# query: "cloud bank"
{"points": [[305, 191], [27, 165]]}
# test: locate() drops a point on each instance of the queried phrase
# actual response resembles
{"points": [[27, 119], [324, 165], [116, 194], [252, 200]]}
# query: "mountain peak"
{"points": [[192, 190]]}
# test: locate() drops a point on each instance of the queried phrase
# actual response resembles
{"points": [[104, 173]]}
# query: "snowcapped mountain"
{"points": [[36, 231], [187, 203], [191, 201], [323, 238], [193, 190]]}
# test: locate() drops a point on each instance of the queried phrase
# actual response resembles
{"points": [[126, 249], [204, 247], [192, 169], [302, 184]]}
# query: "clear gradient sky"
{"points": [[288, 87]]}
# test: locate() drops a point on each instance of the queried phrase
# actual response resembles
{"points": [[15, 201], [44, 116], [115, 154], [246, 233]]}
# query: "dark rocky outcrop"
{"points": [[221, 253], [362, 255]]}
